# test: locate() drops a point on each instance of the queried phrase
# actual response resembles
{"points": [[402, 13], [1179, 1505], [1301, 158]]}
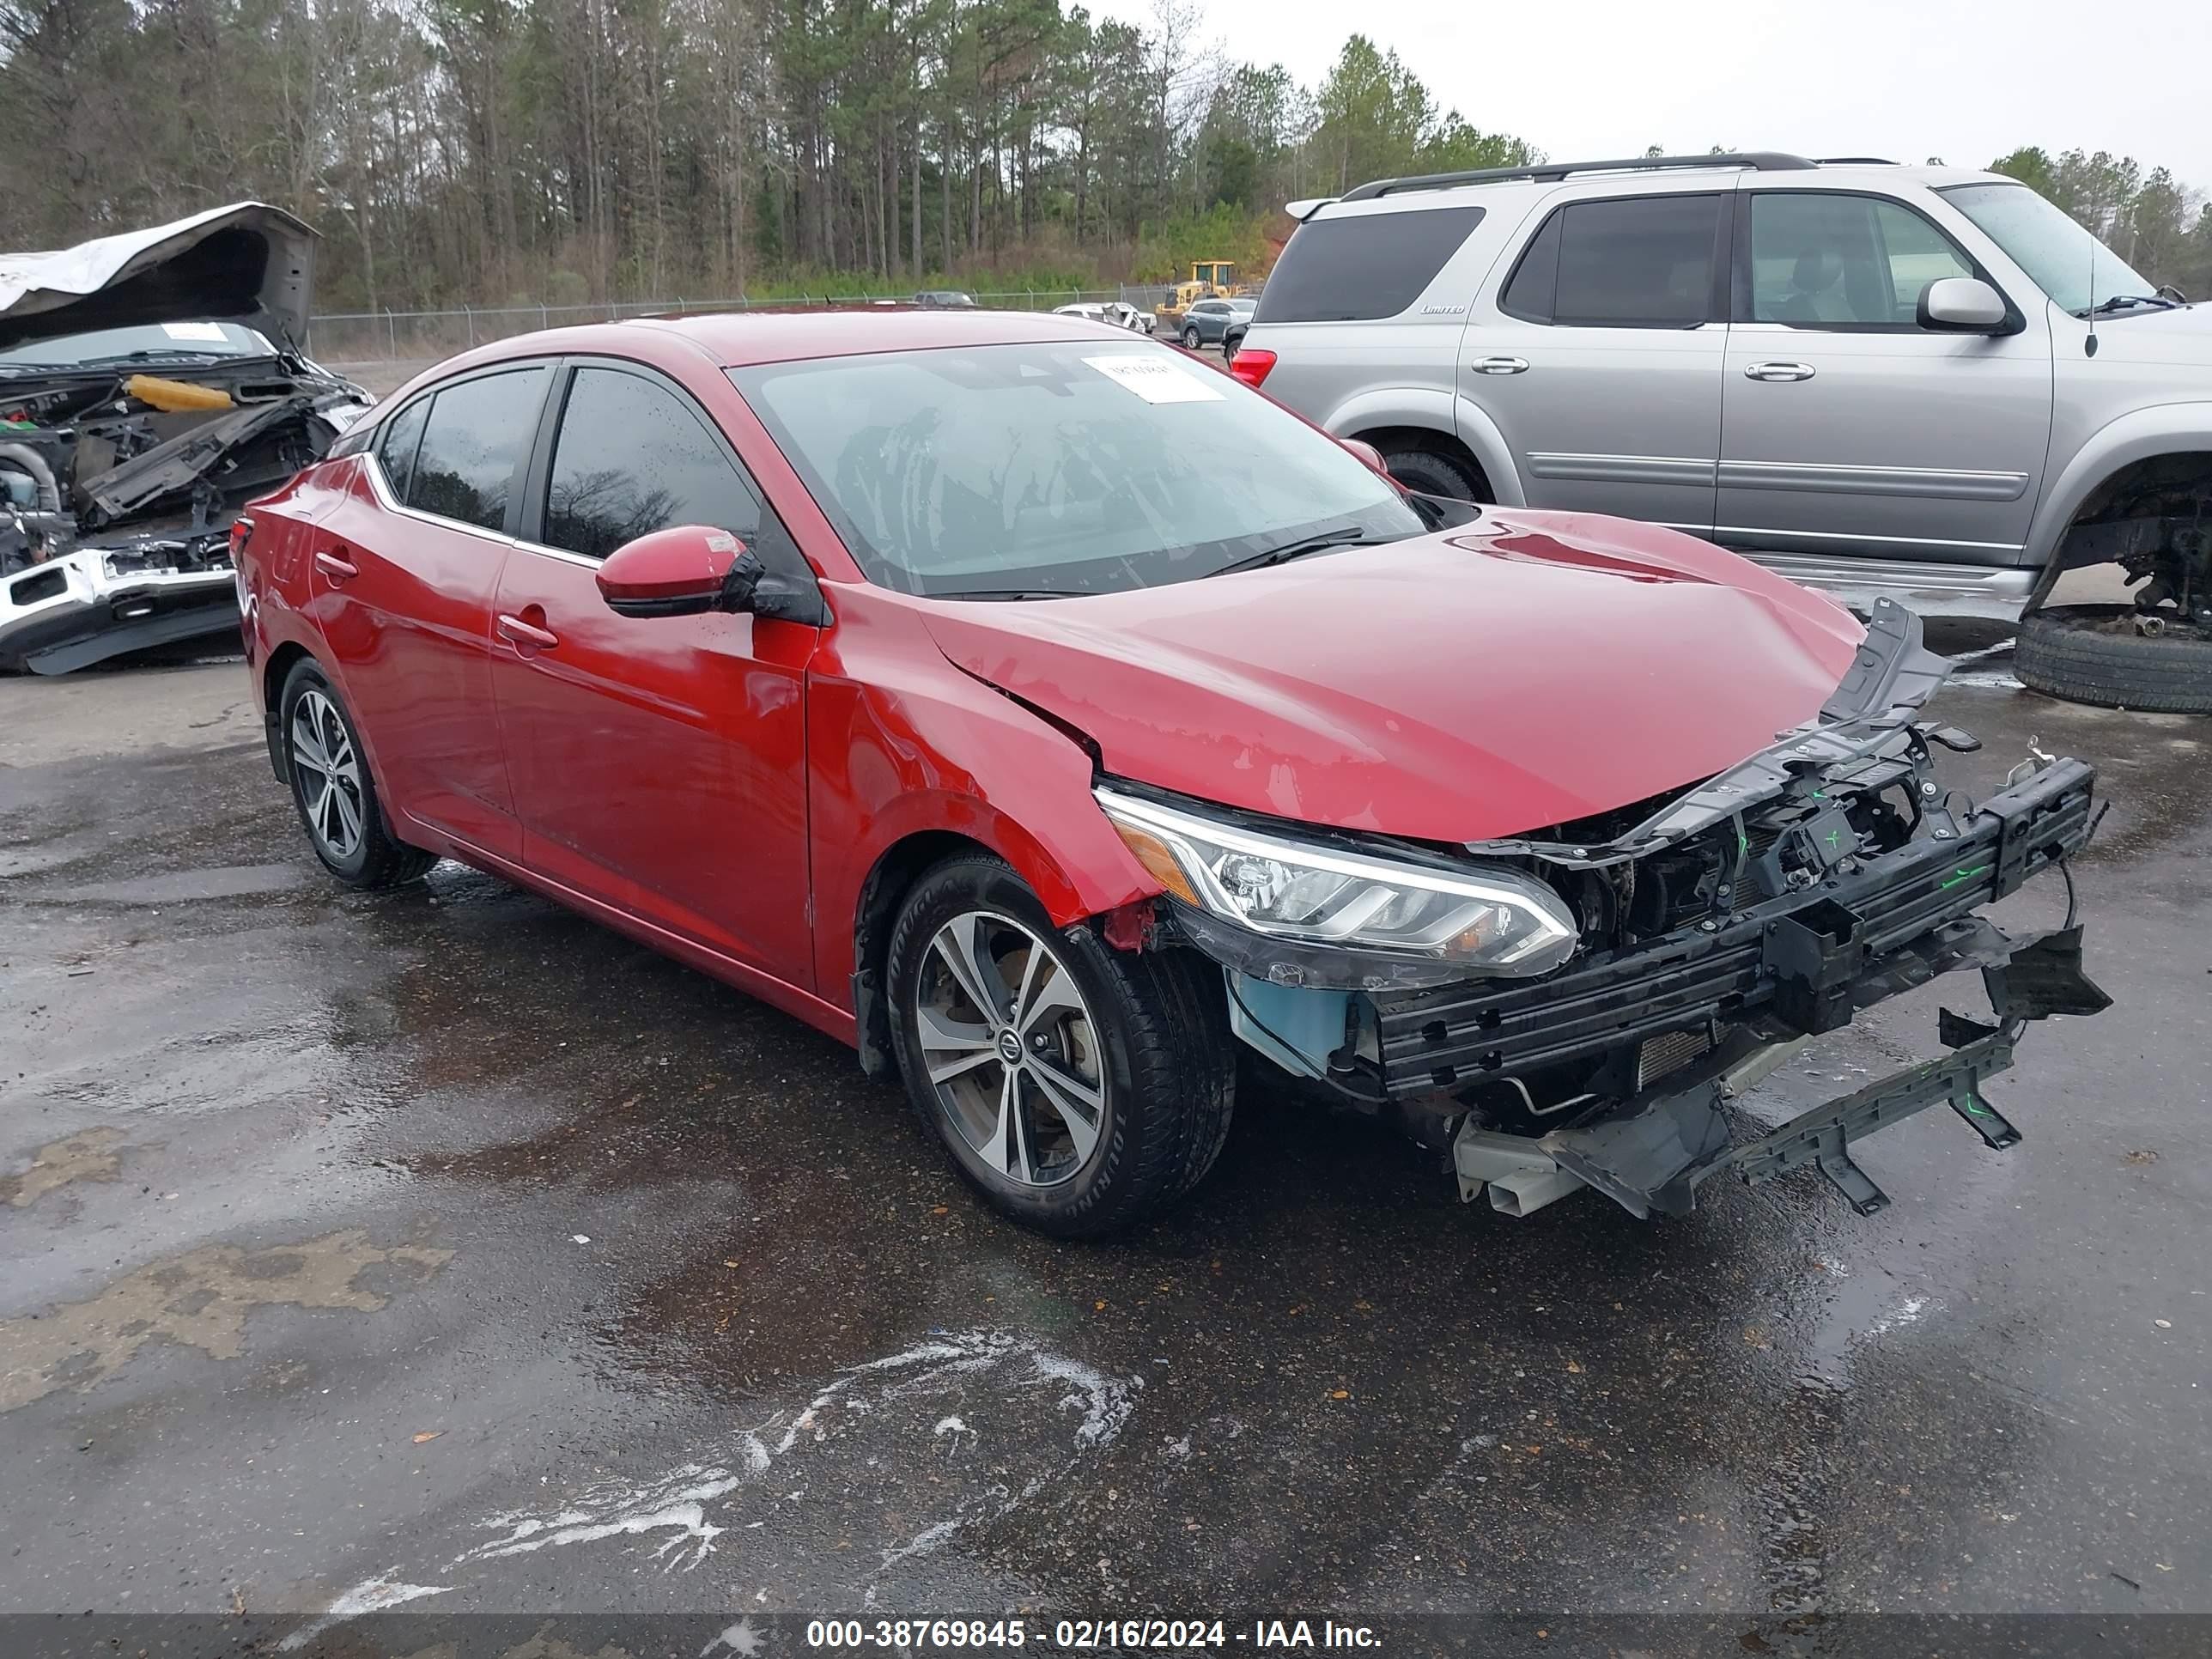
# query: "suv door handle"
{"points": [[336, 565], [524, 636], [1500, 365], [1779, 371]]}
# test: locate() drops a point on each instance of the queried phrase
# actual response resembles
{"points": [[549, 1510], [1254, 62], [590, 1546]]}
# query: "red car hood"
{"points": [[1518, 672]]}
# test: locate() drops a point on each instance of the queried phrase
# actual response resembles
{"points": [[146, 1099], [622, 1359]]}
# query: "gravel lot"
{"points": [[443, 1240]]}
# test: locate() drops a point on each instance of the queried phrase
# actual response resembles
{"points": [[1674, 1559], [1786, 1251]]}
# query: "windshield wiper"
{"points": [[1010, 593], [2123, 301], [1350, 535]]}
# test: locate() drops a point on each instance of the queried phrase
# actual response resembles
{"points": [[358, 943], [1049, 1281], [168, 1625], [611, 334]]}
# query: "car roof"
{"points": [[1851, 174], [735, 339]]}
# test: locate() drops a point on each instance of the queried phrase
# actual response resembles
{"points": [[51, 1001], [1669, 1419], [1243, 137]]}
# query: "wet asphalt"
{"points": [[442, 1245]]}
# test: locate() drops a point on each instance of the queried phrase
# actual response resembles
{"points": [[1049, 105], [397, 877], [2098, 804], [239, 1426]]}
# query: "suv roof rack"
{"points": [[1551, 172], [1856, 162]]}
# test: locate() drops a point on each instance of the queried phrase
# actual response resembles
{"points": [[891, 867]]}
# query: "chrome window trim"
{"points": [[560, 553]]}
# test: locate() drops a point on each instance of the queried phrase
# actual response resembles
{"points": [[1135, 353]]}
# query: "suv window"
{"points": [[1825, 261], [396, 446], [1636, 262], [1362, 265], [477, 433], [632, 457]]}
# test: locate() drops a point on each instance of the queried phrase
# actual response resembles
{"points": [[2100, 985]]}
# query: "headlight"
{"points": [[1454, 923]]}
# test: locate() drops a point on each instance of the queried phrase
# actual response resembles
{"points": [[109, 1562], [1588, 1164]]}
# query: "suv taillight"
{"points": [[241, 531], [1251, 365]]}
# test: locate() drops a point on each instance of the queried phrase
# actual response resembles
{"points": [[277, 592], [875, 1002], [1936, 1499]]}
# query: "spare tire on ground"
{"points": [[2093, 653]]}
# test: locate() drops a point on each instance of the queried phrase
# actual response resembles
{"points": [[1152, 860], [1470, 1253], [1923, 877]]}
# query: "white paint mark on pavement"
{"points": [[374, 1596]]}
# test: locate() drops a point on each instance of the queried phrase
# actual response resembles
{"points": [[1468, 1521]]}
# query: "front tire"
{"points": [[1190, 340], [333, 790], [1426, 472], [1078, 1088]]}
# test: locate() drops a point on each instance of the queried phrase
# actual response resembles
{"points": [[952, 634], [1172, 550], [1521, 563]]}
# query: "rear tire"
{"points": [[332, 787], [1121, 1099], [1190, 340], [2091, 653], [1426, 472]]}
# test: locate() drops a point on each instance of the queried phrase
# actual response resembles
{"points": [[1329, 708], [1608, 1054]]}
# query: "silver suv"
{"points": [[1926, 383]]}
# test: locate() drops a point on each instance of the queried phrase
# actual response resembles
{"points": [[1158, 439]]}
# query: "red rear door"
{"points": [[658, 763], [402, 578]]}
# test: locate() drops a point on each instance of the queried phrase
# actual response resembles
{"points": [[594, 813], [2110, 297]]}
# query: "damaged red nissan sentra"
{"points": [[1046, 715]]}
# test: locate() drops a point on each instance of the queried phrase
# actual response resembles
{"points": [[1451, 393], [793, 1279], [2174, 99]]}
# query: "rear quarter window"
{"points": [[1362, 266]]}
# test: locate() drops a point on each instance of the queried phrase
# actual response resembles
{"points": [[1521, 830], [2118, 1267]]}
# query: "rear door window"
{"points": [[473, 445], [1638, 262], [632, 457], [1362, 266], [396, 446]]}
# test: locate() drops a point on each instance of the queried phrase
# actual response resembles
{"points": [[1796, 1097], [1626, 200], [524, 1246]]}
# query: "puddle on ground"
{"points": [[198, 1300], [176, 886], [89, 1155]]}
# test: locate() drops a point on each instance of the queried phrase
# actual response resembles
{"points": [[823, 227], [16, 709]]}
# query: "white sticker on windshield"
{"points": [[1158, 379], [194, 331]]}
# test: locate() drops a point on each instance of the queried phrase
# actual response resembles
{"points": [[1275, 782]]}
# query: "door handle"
{"points": [[525, 637], [1500, 365], [1779, 371], [336, 565]]}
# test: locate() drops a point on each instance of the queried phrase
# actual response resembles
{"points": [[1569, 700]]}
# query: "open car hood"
{"points": [[248, 263], [1527, 670]]}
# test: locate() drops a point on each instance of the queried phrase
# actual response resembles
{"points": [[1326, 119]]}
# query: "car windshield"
{"points": [[2066, 262], [153, 342], [1066, 467]]}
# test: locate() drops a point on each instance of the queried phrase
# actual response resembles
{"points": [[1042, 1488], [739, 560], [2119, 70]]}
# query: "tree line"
{"points": [[559, 151], [2151, 219]]}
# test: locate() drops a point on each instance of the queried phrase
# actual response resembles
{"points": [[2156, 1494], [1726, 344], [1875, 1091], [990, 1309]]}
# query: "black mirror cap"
{"points": [[738, 585]]}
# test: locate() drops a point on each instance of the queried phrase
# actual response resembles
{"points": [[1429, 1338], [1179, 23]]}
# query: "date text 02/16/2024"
{"points": [[1085, 1634]]}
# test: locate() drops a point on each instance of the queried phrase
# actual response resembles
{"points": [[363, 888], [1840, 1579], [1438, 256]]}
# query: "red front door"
{"points": [[659, 764]]}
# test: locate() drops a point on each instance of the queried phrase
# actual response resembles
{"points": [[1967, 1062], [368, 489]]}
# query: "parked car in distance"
{"points": [[1046, 795], [1208, 320], [945, 299], [1922, 382]]}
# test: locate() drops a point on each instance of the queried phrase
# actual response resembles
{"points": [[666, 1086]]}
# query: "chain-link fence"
{"points": [[366, 337]]}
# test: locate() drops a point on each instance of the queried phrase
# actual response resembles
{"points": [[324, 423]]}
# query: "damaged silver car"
{"points": [[149, 383]]}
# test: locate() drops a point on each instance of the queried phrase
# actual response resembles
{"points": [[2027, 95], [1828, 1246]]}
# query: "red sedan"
{"points": [[1047, 715]]}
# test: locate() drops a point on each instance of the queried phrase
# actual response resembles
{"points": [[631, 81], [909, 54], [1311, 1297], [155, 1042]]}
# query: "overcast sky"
{"points": [[1598, 78]]}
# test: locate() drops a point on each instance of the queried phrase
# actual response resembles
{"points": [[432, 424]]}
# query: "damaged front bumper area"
{"points": [[1739, 998], [1718, 929], [86, 606]]}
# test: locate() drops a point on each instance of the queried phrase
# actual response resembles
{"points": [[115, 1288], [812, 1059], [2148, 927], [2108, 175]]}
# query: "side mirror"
{"points": [[1370, 457], [1961, 305], [680, 572]]}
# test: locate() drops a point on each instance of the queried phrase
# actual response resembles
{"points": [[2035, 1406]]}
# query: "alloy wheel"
{"points": [[329, 771], [1010, 1048]]}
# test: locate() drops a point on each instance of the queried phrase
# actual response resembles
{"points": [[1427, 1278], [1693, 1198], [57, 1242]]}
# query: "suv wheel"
{"points": [[1078, 1087], [1190, 341], [1425, 472], [2095, 654], [333, 790]]}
